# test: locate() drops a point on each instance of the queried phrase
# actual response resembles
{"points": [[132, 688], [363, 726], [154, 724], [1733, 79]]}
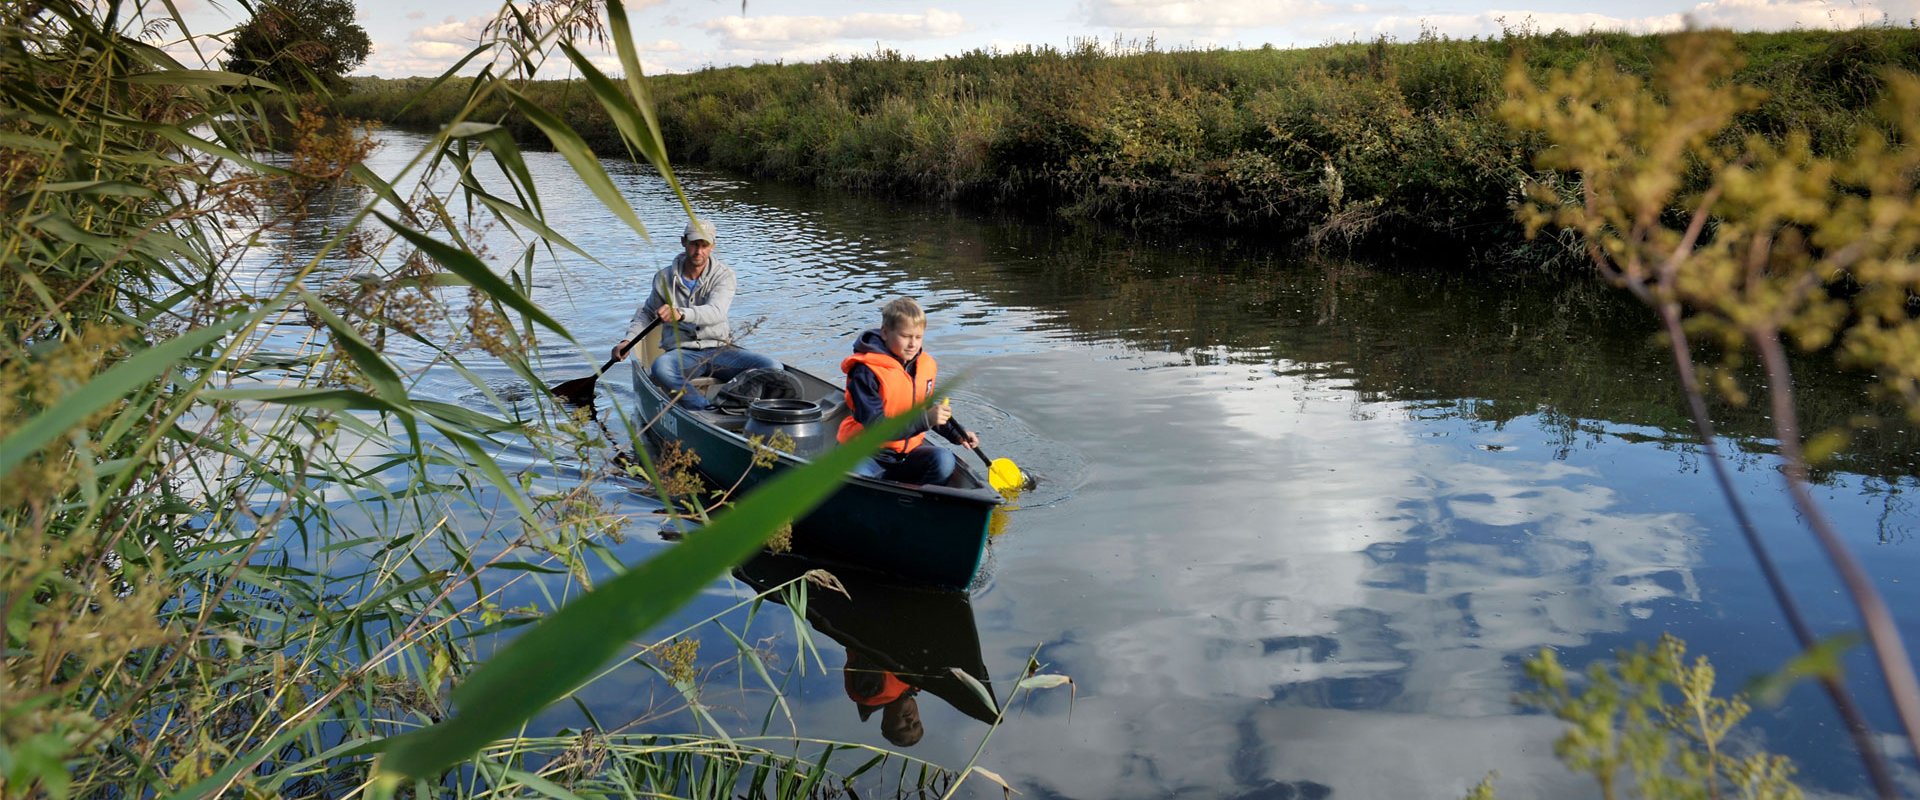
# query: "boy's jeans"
{"points": [[675, 367], [927, 464]]}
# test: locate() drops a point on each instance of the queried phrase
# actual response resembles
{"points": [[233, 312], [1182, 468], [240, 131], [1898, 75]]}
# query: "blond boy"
{"points": [[889, 373]]}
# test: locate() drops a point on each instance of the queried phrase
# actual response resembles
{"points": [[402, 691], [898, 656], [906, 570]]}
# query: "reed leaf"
{"points": [[468, 266], [385, 381], [585, 164]]}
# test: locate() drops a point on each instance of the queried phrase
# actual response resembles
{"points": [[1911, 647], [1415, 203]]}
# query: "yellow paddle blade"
{"points": [[1005, 476]]}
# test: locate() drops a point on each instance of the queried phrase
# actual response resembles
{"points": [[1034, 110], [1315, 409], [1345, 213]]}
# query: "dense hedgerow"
{"points": [[1368, 142]]}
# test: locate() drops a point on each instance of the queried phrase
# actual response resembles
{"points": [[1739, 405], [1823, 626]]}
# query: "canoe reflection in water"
{"points": [[874, 688], [901, 641]]}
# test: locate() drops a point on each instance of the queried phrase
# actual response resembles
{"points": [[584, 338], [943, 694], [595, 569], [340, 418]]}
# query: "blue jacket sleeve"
{"points": [[951, 432]]}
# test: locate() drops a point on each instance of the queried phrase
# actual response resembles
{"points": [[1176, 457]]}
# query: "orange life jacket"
{"points": [[898, 392], [891, 688]]}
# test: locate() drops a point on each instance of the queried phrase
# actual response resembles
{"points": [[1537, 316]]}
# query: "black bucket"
{"points": [[784, 411], [803, 421]]}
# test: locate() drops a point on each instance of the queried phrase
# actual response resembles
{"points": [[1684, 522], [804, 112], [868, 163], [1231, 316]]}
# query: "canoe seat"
{"points": [[649, 350]]}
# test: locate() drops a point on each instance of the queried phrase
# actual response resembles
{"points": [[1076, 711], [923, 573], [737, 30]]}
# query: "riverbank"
{"points": [[1377, 144]]}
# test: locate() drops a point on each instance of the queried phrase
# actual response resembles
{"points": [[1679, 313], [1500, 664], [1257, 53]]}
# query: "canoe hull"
{"points": [[931, 534]]}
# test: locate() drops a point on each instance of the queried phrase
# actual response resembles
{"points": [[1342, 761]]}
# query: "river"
{"points": [[1300, 520]]}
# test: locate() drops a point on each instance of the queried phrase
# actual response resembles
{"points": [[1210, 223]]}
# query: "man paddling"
{"points": [[691, 296]]}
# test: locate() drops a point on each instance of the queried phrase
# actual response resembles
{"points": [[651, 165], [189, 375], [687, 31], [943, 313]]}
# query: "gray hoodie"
{"points": [[703, 321]]}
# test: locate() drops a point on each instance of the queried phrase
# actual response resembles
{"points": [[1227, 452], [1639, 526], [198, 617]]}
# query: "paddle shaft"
{"points": [[628, 346], [962, 430], [580, 390]]}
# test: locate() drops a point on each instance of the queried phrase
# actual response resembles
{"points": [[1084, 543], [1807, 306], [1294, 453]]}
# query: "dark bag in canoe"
{"points": [[756, 384]]}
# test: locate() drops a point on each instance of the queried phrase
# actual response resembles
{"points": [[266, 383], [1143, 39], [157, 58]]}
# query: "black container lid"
{"points": [[785, 411]]}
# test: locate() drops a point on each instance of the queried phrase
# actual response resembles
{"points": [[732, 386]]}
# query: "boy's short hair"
{"points": [[900, 312]]}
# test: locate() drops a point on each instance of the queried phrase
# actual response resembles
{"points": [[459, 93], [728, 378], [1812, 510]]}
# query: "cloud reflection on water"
{"points": [[1314, 563]]}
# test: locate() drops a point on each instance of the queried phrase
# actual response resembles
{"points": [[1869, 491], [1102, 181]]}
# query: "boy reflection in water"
{"points": [[874, 688]]}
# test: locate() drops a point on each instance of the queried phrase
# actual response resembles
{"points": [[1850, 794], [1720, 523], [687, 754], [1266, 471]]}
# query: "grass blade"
{"points": [[515, 778], [321, 399], [585, 164], [531, 222], [653, 147], [386, 382], [468, 266], [974, 684]]}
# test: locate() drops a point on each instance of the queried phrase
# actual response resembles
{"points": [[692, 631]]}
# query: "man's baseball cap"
{"points": [[698, 230]]}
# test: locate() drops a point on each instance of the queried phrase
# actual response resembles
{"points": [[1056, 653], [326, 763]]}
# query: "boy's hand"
{"points": [[973, 441], [940, 414]]}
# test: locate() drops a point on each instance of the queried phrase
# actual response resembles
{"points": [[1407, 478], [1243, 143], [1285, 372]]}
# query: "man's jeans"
{"points": [[928, 464], [674, 368]]}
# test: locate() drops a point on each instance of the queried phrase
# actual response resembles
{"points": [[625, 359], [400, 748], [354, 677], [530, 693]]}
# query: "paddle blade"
{"points": [[578, 391], [1005, 476]]}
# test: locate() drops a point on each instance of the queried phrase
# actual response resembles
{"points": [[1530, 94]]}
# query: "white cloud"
{"points": [[1219, 15], [465, 32], [1492, 23], [446, 50], [431, 49], [1783, 14], [428, 50], [1743, 15], [695, 59], [762, 33]]}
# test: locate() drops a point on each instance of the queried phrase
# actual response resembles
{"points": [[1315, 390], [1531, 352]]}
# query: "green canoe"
{"points": [[931, 534]]}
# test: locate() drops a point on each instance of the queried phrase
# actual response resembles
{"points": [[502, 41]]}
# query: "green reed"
{"points": [[238, 556]]}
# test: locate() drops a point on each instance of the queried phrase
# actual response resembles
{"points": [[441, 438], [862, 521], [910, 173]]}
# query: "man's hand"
{"points": [[669, 314], [620, 351]]}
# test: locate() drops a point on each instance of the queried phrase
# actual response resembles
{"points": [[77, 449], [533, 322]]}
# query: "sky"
{"points": [[424, 37]]}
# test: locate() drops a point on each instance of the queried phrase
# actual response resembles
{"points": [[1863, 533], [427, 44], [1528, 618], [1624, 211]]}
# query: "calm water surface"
{"points": [[1300, 522]]}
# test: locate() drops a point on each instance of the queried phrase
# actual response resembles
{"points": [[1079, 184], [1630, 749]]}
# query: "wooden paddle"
{"points": [[579, 391], [1002, 473]]}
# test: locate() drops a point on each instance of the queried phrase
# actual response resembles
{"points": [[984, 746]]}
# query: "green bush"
{"points": [[1376, 142]]}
